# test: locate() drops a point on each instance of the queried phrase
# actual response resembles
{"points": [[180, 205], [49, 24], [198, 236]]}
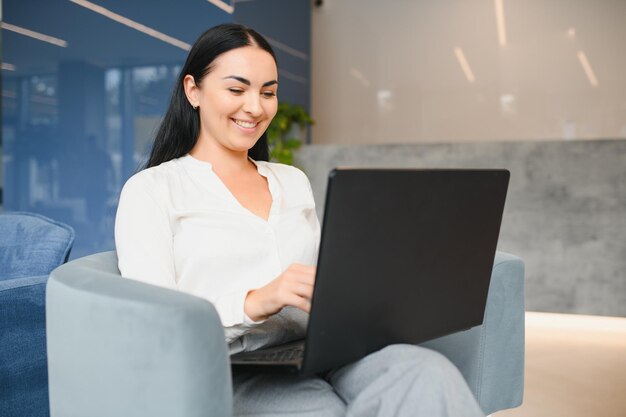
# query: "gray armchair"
{"points": [[120, 347]]}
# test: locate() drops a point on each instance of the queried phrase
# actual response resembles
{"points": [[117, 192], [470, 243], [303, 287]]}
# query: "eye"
{"points": [[236, 90], [269, 94]]}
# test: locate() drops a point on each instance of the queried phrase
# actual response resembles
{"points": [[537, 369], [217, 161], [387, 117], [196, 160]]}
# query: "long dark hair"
{"points": [[180, 127]]}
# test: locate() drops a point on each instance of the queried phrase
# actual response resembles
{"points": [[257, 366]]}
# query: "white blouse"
{"points": [[178, 226]]}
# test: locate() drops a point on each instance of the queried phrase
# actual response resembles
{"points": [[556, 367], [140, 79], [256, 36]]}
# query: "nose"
{"points": [[252, 105]]}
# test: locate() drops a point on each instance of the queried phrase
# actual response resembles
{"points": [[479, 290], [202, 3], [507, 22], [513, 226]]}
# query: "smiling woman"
{"points": [[211, 216], [236, 48], [236, 101]]}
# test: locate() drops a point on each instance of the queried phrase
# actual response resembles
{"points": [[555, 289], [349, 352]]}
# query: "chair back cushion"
{"points": [[32, 245]]}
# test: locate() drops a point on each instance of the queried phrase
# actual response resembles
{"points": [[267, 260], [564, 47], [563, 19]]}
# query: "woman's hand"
{"points": [[294, 287]]}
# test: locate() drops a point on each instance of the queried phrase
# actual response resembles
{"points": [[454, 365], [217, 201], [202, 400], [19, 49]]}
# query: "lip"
{"points": [[246, 129]]}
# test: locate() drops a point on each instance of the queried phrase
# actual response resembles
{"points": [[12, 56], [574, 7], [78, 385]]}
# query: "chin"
{"points": [[243, 146]]}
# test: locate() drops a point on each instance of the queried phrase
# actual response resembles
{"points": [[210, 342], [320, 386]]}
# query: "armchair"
{"points": [[31, 246], [121, 347]]}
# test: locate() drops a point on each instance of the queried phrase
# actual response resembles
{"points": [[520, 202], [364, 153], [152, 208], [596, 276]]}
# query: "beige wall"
{"points": [[387, 71]]}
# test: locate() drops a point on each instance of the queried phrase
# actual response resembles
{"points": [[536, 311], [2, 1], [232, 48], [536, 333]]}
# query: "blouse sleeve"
{"points": [[143, 237], [314, 220], [144, 243], [236, 322]]}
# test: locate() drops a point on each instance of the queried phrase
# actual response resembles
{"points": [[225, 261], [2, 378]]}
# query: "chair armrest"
{"points": [[23, 367], [491, 356], [118, 347]]}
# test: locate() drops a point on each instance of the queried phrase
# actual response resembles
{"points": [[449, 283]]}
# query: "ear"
{"points": [[191, 90]]}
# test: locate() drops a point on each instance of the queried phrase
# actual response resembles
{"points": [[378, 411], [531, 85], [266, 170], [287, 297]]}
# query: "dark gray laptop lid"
{"points": [[406, 256]]}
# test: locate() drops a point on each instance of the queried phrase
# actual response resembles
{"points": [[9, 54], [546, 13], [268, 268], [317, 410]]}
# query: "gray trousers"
{"points": [[399, 380]]}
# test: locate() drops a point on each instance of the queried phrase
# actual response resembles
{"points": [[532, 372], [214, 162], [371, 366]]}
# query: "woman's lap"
{"points": [[397, 380], [404, 380], [284, 395]]}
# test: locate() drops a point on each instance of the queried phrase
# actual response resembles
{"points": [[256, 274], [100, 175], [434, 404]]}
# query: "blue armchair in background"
{"points": [[31, 246]]}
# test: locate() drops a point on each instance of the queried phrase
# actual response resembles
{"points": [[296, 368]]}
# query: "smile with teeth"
{"points": [[247, 125]]}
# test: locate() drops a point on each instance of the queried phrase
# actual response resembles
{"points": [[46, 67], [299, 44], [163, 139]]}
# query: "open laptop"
{"points": [[405, 256]]}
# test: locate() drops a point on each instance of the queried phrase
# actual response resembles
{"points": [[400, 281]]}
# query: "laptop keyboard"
{"points": [[292, 353]]}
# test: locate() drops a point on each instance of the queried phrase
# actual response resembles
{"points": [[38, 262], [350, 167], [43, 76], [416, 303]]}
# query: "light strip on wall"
{"points": [[223, 5], [293, 77], [591, 76], [132, 24], [359, 76], [286, 48], [500, 22], [460, 56], [8, 67], [34, 35]]}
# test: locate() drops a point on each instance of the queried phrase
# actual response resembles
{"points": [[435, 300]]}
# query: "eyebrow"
{"points": [[247, 82]]}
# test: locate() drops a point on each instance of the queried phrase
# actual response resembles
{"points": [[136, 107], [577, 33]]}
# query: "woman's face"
{"points": [[237, 99]]}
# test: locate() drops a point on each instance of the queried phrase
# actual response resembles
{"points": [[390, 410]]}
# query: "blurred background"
{"points": [[85, 84], [534, 86]]}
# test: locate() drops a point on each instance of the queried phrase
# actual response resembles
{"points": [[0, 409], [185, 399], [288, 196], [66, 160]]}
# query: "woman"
{"points": [[211, 217]]}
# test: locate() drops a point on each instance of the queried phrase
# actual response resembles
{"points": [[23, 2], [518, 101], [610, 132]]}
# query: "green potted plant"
{"points": [[282, 137]]}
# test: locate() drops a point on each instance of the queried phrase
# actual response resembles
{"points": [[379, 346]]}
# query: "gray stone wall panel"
{"points": [[565, 213]]}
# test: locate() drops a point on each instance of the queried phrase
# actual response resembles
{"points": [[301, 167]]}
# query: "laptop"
{"points": [[405, 256]]}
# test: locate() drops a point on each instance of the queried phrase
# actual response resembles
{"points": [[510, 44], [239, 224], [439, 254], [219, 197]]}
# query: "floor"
{"points": [[575, 366]]}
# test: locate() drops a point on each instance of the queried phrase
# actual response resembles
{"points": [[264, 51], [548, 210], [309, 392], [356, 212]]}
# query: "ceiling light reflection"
{"points": [[285, 48], [293, 77], [591, 76], [34, 35], [385, 100], [500, 22], [132, 24], [359, 76], [460, 56], [223, 5], [508, 104]]}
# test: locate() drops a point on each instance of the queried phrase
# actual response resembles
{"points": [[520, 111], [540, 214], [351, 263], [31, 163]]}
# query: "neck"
{"points": [[225, 162]]}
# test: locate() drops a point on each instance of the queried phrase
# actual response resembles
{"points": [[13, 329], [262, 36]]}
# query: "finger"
{"points": [[304, 268], [303, 290], [306, 279], [288, 289], [299, 302], [304, 276], [293, 277]]}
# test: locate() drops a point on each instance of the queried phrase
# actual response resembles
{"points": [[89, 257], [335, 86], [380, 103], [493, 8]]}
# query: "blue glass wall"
{"points": [[287, 26], [84, 85]]}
